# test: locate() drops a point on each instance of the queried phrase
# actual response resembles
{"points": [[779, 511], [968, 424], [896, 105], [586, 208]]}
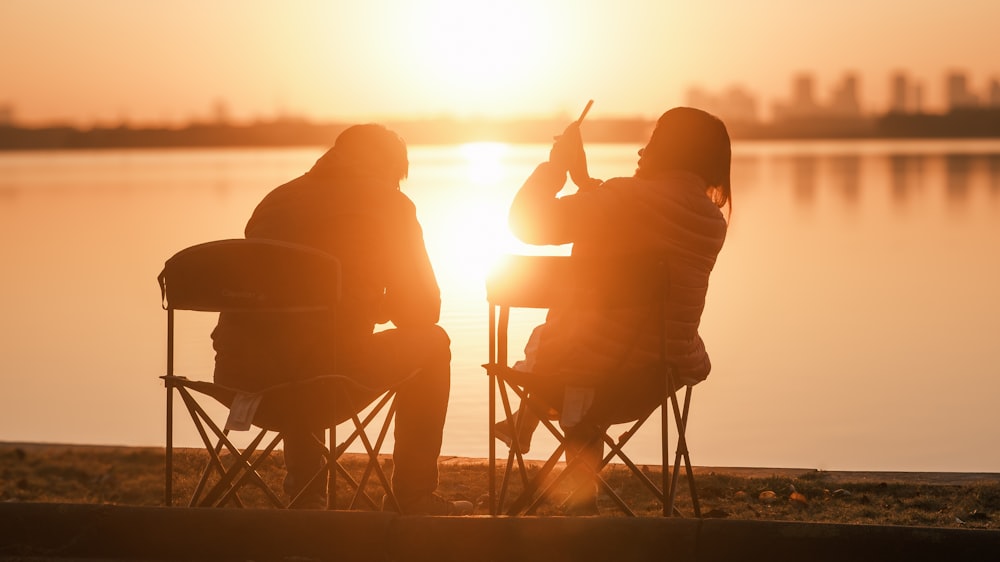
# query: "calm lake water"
{"points": [[853, 317]]}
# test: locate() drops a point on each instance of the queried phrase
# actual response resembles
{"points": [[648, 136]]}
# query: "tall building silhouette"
{"points": [[957, 93], [735, 104], [802, 103], [803, 95], [6, 115], [899, 93], [905, 95], [918, 98], [845, 101]]}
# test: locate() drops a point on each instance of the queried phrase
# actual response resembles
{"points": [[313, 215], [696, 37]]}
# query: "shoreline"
{"points": [[833, 476]]}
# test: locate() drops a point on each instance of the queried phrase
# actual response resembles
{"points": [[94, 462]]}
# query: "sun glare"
{"points": [[484, 161], [484, 199], [476, 54]]}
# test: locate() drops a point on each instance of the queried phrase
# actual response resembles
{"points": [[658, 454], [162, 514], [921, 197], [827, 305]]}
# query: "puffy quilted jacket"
{"points": [[671, 216]]}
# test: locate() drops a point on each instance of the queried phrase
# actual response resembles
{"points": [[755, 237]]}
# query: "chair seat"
{"points": [[617, 402], [314, 404]]}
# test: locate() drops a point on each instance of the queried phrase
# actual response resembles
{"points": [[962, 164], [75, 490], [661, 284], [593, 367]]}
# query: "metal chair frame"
{"points": [[541, 282]]}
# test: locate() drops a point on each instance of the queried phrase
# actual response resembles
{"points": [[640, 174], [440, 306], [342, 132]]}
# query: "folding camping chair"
{"points": [[547, 281], [262, 276]]}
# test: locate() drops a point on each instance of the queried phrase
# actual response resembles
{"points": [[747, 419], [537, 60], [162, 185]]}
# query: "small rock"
{"points": [[977, 516], [716, 514], [798, 499], [768, 497]]}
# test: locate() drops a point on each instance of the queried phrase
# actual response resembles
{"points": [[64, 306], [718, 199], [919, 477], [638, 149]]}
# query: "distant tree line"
{"points": [[959, 123]]}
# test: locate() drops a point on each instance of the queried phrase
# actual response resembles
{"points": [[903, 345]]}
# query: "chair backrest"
{"points": [[250, 274], [608, 282]]}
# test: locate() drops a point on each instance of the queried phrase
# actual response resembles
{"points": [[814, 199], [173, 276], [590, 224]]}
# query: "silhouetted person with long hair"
{"points": [[671, 207], [350, 206]]}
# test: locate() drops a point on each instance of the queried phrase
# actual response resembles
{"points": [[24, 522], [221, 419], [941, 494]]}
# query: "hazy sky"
{"points": [[171, 60]]}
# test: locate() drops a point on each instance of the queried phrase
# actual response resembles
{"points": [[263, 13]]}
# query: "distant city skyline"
{"points": [[907, 94], [739, 103]]}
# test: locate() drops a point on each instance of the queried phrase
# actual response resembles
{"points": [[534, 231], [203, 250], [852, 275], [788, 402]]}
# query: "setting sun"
{"points": [[476, 53]]}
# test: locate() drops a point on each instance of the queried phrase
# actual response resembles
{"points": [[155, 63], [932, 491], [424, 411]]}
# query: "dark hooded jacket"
{"points": [[372, 228]]}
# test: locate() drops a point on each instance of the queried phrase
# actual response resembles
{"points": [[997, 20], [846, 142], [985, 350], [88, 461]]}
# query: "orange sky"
{"points": [[102, 61]]}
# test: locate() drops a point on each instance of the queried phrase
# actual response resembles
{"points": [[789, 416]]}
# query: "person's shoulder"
{"points": [[399, 198], [396, 203]]}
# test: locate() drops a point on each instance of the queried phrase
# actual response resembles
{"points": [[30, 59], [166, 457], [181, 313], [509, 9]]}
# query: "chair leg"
{"points": [[372, 452], [567, 471], [667, 499], [682, 454], [533, 494], [168, 485], [373, 464], [213, 463], [491, 430], [221, 479], [335, 469], [214, 450], [529, 485], [497, 499], [616, 450], [241, 460], [331, 469], [693, 490], [243, 470], [527, 502], [514, 452]]}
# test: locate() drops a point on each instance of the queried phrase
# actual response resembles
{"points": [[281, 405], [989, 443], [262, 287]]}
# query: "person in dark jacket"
{"points": [[350, 205], [670, 207]]}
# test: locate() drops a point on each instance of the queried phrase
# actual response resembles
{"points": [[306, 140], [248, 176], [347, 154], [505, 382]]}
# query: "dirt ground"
{"points": [[33, 472]]}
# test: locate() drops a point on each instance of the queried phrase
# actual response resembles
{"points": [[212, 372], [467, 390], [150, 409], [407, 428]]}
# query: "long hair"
{"points": [[695, 141]]}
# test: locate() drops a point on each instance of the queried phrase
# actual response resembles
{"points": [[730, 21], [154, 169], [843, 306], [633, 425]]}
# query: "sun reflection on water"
{"points": [[465, 222], [484, 161]]}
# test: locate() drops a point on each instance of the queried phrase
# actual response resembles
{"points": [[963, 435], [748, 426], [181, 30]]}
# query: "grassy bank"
{"points": [[134, 477]]}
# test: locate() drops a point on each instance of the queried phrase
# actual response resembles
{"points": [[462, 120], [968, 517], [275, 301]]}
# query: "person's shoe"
{"points": [[500, 430], [503, 431], [309, 501], [582, 502], [582, 508], [433, 504]]}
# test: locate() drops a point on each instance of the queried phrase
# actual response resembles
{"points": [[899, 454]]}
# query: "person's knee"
{"points": [[430, 351], [437, 347], [430, 343], [438, 341]]}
